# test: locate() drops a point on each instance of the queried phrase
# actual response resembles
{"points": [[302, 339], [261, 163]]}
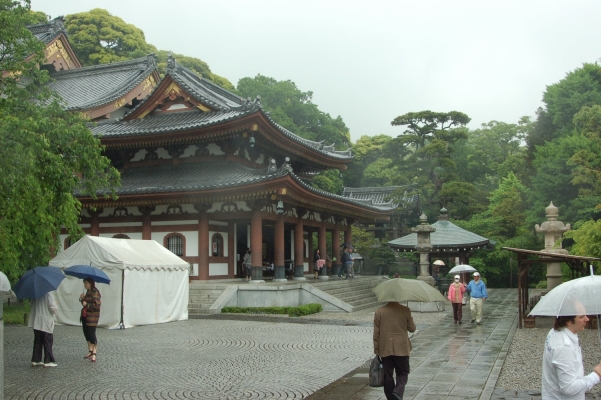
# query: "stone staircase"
{"points": [[202, 296], [356, 292]]}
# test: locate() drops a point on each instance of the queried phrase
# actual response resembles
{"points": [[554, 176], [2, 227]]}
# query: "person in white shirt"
{"points": [[41, 319], [563, 372]]}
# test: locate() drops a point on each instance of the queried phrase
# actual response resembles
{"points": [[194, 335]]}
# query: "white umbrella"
{"points": [[575, 297], [4, 283], [438, 262], [458, 269]]}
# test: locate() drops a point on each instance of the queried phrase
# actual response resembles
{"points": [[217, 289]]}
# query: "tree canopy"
{"points": [[44, 153]]}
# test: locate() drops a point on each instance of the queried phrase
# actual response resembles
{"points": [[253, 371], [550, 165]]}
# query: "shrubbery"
{"points": [[307, 309]]}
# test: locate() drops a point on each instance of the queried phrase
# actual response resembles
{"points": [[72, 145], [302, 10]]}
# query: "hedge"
{"points": [[307, 309]]}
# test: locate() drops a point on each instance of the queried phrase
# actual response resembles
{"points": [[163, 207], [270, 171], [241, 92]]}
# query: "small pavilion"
{"points": [[447, 242]]}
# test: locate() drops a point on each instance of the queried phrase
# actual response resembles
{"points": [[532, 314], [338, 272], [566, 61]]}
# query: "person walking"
{"points": [[478, 294], [455, 295], [41, 319], [392, 345], [247, 263], [342, 263], [563, 372], [350, 274], [90, 314], [316, 258]]}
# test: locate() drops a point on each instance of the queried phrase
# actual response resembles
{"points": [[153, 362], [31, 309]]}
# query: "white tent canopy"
{"points": [[150, 281]]}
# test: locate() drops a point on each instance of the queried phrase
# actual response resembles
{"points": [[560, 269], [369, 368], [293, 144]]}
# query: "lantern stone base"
{"points": [[428, 279]]}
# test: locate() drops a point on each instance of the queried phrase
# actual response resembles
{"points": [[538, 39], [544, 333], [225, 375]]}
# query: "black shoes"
{"points": [[396, 396], [478, 323], [473, 321]]}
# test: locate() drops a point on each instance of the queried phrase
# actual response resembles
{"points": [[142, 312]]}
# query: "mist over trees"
{"points": [[495, 180]]}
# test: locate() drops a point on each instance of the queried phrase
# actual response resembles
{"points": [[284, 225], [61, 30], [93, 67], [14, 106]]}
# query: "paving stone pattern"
{"points": [[195, 359]]}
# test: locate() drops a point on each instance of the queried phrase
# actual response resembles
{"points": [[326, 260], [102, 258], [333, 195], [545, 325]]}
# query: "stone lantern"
{"points": [[553, 230], [423, 247]]}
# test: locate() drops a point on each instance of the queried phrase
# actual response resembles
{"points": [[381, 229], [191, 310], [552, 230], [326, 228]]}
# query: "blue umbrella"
{"points": [[37, 282], [87, 271]]}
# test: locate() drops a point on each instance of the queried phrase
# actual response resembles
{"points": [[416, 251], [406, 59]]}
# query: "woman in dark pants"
{"points": [[90, 313]]}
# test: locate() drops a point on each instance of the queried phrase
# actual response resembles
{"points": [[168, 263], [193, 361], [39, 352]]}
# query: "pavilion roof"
{"points": [[382, 196], [94, 86], [447, 236]]}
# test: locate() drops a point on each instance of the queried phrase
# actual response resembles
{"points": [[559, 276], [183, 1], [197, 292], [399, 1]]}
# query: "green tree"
{"points": [[37, 17], [295, 111], [424, 152], [366, 150], [43, 152], [97, 37], [330, 181], [195, 64]]}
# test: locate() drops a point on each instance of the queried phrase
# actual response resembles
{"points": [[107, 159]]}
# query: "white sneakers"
{"points": [[50, 364], [36, 364]]}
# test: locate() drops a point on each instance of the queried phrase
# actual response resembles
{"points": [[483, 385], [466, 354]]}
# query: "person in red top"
{"points": [[455, 295], [90, 314]]}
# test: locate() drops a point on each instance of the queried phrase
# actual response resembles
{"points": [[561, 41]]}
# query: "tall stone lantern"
{"points": [[423, 247], [553, 230]]}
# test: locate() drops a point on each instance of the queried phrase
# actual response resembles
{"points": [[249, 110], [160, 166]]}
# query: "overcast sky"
{"points": [[371, 61]]}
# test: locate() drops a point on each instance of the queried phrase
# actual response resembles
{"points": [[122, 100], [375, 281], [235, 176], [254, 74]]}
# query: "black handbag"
{"points": [[376, 373]]}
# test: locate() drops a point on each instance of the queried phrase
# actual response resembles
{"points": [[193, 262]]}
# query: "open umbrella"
{"points": [[4, 283], [458, 269], [37, 282], [575, 297], [87, 271], [438, 262], [400, 289]]}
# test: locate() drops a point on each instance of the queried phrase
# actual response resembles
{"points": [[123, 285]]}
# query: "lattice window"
{"points": [[175, 244]]}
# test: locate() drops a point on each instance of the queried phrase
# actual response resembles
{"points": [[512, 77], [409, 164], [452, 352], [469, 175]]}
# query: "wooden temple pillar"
{"points": [[256, 245], [348, 233], [336, 248], [146, 224], [323, 272], [279, 274], [299, 256], [95, 224], [203, 242]]}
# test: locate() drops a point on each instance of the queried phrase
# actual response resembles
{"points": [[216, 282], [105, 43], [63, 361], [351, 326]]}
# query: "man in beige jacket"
{"points": [[391, 343]]}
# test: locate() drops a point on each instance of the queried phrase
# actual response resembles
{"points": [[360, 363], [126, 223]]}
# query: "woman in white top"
{"points": [[41, 319], [563, 372]]}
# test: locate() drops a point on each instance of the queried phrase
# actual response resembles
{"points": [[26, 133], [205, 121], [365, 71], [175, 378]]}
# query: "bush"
{"points": [[307, 309], [541, 285], [14, 313]]}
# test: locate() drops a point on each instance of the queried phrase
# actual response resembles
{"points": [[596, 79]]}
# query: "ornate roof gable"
{"points": [[59, 53], [181, 89], [101, 89]]}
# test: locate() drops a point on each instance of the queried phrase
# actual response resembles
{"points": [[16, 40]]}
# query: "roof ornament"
{"points": [[56, 26], [170, 63], [152, 61], [286, 167], [272, 168]]}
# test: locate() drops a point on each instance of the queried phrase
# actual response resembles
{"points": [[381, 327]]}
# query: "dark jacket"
{"points": [[92, 307]]}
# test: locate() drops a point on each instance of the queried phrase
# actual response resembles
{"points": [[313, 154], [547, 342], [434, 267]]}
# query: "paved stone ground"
{"points": [[195, 359]]}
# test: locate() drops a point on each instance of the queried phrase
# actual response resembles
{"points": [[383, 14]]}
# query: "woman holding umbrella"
{"points": [[90, 313]]}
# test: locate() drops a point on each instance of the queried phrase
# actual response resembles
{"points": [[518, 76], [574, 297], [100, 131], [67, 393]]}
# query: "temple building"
{"points": [[205, 172]]}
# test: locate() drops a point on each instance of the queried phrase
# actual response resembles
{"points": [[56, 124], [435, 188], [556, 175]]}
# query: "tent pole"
{"points": [[121, 324]]}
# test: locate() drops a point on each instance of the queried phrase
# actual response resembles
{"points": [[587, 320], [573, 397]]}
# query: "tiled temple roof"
{"points": [[48, 31], [90, 87], [226, 106], [191, 177], [379, 196]]}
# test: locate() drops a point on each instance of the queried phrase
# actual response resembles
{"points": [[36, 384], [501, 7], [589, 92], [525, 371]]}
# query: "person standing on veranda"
{"points": [[41, 319], [563, 373], [478, 294], [392, 345]]}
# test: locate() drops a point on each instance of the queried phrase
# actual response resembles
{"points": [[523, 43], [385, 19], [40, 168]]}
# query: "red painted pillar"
{"points": [[146, 230], [203, 246], [256, 245], [278, 243], [231, 251], [322, 248], [299, 256], [348, 235], [336, 249], [95, 225]]}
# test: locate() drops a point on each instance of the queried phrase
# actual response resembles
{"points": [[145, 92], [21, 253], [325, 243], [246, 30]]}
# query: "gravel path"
{"points": [[523, 365]]}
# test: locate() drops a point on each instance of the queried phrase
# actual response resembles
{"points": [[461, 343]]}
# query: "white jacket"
{"points": [[563, 373], [41, 313]]}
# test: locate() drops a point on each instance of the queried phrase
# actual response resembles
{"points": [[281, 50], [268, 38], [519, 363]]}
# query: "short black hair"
{"points": [[562, 322]]}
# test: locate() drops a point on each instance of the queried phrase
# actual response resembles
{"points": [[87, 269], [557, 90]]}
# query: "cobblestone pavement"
{"points": [[195, 359]]}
